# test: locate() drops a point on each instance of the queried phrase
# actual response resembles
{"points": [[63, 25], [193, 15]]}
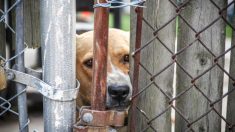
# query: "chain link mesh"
{"points": [[214, 103], [6, 105]]}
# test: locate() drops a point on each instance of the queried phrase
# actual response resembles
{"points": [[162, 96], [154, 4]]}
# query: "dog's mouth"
{"points": [[117, 105]]}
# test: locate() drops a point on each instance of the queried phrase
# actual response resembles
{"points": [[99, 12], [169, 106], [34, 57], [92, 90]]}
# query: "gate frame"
{"points": [[58, 51]]}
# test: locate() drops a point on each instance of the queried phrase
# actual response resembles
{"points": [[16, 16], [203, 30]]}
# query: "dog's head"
{"points": [[119, 88]]}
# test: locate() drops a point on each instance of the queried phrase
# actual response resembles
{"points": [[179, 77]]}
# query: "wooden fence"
{"points": [[181, 65]]}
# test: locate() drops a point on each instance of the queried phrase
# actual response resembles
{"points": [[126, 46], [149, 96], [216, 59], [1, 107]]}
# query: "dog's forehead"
{"points": [[116, 38]]}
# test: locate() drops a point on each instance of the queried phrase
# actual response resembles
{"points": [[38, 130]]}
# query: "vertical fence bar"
{"points": [[231, 96], [196, 60], [135, 72], [58, 44], [22, 99], [2, 49], [154, 58], [98, 94], [2, 33]]}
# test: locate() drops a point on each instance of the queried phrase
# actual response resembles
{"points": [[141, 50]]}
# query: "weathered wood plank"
{"points": [[196, 59], [32, 23], [231, 97], [155, 57]]}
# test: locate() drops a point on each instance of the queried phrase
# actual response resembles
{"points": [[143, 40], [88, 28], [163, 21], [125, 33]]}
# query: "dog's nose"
{"points": [[118, 92]]}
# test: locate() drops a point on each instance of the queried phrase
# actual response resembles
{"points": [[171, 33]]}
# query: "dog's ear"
{"points": [[77, 36], [78, 39], [84, 41]]}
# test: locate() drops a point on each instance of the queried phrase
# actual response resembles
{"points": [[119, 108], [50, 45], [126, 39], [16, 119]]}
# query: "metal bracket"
{"points": [[100, 121], [98, 129], [42, 87]]}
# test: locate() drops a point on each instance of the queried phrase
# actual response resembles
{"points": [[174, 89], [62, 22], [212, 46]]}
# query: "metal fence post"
{"points": [[98, 100], [58, 44], [135, 75], [22, 99]]}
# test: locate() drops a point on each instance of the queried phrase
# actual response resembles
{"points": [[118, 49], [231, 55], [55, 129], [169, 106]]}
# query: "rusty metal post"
{"points": [[97, 118], [98, 95], [135, 78]]}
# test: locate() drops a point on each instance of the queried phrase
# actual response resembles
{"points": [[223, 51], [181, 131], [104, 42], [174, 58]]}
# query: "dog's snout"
{"points": [[118, 92]]}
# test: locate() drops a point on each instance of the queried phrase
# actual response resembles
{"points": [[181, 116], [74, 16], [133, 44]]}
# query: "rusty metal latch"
{"points": [[100, 120], [42, 87]]}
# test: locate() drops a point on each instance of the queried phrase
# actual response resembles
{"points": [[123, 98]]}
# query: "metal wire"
{"points": [[119, 4], [5, 104], [179, 7], [5, 61]]}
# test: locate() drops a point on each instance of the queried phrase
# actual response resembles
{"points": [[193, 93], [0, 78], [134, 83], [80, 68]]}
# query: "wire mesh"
{"points": [[218, 59], [6, 105], [171, 101]]}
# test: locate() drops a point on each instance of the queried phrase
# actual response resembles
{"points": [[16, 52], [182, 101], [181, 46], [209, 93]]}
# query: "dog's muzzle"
{"points": [[119, 90], [118, 93]]}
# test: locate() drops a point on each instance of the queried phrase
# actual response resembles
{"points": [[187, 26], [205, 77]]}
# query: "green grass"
{"points": [[125, 22], [228, 31]]}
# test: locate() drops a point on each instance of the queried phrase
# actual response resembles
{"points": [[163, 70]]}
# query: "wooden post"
{"points": [[231, 96], [196, 60], [32, 23], [154, 57]]}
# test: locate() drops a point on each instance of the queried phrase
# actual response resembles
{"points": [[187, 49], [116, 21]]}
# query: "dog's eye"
{"points": [[126, 58], [88, 63]]}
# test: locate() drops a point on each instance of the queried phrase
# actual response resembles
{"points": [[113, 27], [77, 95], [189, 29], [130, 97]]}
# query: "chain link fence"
{"points": [[13, 10], [19, 30], [178, 50], [178, 66]]}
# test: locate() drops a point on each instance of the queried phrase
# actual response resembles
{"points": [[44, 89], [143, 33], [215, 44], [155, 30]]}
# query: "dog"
{"points": [[119, 88], [3, 80]]}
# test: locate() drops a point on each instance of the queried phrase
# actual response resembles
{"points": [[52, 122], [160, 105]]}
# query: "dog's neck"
{"points": [[82, 101]]}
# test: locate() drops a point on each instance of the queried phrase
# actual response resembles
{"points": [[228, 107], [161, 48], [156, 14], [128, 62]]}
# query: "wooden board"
{"points": [[196, 60], [155, 57]]}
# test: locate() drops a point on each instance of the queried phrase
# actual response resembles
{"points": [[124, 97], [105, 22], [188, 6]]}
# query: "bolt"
{"points": [[10, 76], [87, 117]]}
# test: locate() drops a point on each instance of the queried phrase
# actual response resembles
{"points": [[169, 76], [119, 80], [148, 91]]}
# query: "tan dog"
{"points": [[3, 80], [119, 89]]}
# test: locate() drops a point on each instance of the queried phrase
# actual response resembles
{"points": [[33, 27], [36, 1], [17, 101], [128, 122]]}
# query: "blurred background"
{"points": [[118, 18]]}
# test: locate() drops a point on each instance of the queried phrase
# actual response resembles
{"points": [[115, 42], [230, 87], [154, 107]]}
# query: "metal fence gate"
{"points": [[58, 52], [179, 52]]}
